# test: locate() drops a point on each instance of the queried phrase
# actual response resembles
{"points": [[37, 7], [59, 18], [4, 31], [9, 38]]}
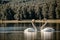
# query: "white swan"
{"points": [[47, 32], [30, 33]]}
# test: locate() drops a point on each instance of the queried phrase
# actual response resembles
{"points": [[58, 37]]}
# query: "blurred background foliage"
{"points": [[29, 9]]}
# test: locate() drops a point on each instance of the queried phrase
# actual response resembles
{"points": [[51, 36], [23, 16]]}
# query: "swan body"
{"points": [[48, 29], [47, 33], [30, 34], [30, 31]]}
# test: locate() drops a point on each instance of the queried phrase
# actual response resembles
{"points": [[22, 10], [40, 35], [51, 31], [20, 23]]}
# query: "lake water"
{"points": [[20, 36], [18, 33]]}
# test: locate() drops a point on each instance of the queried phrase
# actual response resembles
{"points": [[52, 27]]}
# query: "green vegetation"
{"points": [[30, 10]]}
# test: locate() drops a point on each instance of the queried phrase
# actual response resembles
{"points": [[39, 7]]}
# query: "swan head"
{"points": [[33, 20]]}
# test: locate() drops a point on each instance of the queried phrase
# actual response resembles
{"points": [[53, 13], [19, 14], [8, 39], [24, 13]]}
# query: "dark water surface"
{"points": [[20, 36], [16, 32]]}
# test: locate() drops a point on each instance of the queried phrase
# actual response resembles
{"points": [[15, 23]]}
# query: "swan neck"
{"points": [[43, 25], [34, 26]]}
